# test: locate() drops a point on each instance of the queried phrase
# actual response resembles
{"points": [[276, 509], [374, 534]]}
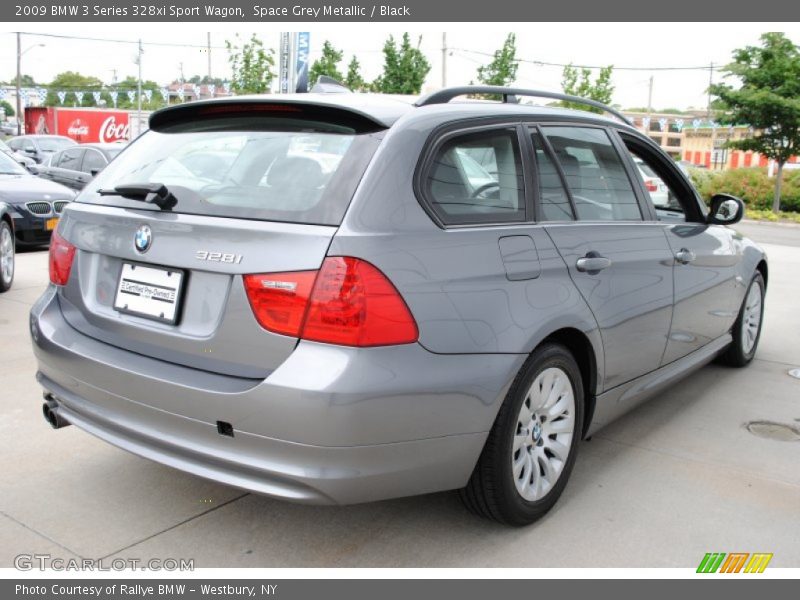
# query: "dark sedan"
{"points": [[40, 147], [36, 204], [77, 166]]}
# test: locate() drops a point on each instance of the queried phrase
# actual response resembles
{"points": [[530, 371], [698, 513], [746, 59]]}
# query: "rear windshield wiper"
{"points": [[152, 193]]}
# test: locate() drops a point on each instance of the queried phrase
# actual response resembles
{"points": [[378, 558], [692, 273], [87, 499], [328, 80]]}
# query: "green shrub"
{"points": [[751, 185], [768, 215]]}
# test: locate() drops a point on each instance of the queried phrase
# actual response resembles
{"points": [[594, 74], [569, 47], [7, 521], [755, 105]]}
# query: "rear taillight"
{"points": [[347, 302], [279, 300], [650, 185], [61, 255]]}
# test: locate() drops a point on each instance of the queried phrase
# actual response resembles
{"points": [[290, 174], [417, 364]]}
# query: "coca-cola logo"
{"points": [[111, 131], [77, 128]]}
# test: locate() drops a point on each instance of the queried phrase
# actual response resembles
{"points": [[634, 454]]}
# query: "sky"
{"points": [[648, 47]]}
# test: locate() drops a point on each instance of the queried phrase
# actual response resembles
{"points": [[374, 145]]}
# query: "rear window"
{"points": [[54, 144], [269, 169]]}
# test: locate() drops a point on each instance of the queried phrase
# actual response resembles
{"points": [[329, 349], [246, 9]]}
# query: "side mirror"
{"points": [[33, 168], [725, 210], [94, 172]]}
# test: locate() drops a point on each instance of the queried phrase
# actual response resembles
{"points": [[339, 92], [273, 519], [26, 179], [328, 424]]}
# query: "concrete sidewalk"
{"points": [[679, 477]]}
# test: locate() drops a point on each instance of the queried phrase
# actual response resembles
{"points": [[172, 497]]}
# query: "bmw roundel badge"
{"points": [[143, 239]]}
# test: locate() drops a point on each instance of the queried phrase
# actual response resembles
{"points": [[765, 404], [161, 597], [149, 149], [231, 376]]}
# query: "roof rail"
{"points": [[510, 95]]}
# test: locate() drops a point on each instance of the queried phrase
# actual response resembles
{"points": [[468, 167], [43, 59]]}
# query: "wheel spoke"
{"points": [[560, 426], [559, 450], [550, 473]]}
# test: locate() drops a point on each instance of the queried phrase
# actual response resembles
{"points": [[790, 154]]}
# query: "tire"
{"points": [[745, 335], [7, 257], [506, 485]]}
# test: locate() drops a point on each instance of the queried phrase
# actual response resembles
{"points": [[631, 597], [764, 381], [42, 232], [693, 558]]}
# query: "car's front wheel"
{"points": [[530, 451], [6, 257], [746, 330]]}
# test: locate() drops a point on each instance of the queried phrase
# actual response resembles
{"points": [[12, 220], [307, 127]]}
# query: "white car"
{"points": [[659, 193]]}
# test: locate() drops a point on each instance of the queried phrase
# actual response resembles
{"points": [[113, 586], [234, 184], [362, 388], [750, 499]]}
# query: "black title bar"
{"points": [[444, 11]]}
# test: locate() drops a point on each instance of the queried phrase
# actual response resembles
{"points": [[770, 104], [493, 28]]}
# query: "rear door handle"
{"points": [[592, 263], [685, 256]]}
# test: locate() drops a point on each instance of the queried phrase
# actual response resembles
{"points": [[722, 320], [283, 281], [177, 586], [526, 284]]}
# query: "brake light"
{"points": [[650, 185], [61, 255], [279, 300], [351, 303]]}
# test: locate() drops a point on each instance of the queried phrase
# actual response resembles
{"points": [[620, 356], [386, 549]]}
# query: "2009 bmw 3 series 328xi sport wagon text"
{"points": [[336, 298]]}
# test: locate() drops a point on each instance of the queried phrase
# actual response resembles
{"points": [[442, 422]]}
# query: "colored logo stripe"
{"points": [[734, 563], [758, 562]]}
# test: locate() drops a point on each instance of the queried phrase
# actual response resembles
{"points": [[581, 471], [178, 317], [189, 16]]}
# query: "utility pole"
{"points": [[650, 100], [444, 60], [713, 164], [139, 91], [19, 83], [208, 49]]}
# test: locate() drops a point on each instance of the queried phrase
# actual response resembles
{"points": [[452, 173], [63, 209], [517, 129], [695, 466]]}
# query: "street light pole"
{"points": [[19, 83], [139, 92]]}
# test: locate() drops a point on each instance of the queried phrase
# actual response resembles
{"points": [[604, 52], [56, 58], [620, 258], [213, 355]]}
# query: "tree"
{"points": [[131, 83], [503, 68], [327, 64], [767, 99], [252, 66], [578, 82], [404, 68], [9, 110], [72, 81], [353, 79]]}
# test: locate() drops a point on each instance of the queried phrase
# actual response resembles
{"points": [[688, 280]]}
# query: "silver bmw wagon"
{"points": [[335, 298]]}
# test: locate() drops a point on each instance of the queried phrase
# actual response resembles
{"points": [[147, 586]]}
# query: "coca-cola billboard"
{"points": [[82, 125]]}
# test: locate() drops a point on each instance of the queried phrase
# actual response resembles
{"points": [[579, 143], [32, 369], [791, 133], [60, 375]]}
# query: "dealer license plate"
{"points": [[150, 292]]}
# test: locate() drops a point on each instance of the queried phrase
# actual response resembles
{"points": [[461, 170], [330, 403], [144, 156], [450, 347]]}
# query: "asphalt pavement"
{"points": [[678, 477]]}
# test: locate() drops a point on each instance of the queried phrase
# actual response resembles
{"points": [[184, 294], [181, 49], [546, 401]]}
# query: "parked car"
{"points": [[399, 324], [39, 147], [76, 166], [18, 157], [653, 183], [6, 247], [36, 204], [8, 128]]}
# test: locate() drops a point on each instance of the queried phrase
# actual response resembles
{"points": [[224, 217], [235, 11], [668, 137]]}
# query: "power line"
{"points": [[117, 41], [616, 68]]}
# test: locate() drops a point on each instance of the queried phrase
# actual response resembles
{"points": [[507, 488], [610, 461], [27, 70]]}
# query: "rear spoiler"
{"points": [[190, 116]]}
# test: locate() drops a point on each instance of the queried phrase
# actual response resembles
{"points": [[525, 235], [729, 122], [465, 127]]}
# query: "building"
{"points": [[693, 137]]}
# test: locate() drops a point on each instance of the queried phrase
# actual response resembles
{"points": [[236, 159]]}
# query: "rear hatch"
{"points": [[240, 188]]}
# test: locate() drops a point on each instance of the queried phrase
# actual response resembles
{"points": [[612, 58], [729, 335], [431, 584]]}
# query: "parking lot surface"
{"points": [[676, 478]]}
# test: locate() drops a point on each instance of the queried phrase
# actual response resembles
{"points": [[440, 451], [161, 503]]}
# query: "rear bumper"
{"points": [[330, 426]]}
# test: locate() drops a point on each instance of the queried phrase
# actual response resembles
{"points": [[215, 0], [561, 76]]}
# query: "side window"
{"points": [[28, 146], [54, 159], [670, 193], [15, 145], [595, 174], [71, 159], [476, 177], [553, 199], [93, 160]]}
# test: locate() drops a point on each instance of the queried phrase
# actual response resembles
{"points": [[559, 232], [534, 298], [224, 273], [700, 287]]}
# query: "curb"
{"points": [[778, 223]]}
